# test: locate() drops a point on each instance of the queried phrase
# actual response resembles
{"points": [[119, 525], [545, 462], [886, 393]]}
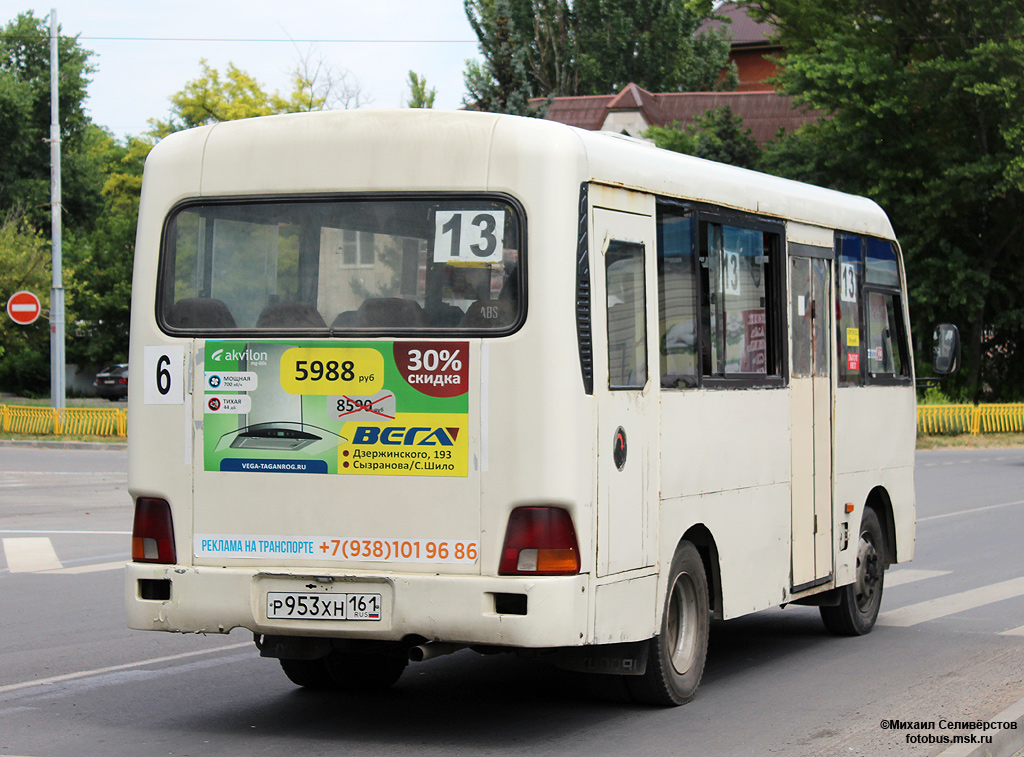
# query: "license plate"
{"points": [[324, 606]]}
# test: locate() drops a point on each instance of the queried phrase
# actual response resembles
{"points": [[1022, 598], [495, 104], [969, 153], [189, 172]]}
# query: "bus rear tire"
{"points": [[675, 661], [859, 602], [357, 672], [309, 674], [346, 671]]}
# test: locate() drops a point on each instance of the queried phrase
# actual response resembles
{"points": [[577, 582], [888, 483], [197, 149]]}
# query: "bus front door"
{"points": [[811, 386]]}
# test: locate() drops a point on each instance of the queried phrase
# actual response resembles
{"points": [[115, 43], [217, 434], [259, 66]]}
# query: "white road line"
{"points": [[911, 615], [970, 512], [112, 668], [1018, 631], [42, 531], [909, 575], [94, 568], [30, 554]]}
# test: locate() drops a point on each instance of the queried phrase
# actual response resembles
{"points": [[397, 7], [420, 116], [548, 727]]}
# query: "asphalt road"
{"points": [[949, 648]]}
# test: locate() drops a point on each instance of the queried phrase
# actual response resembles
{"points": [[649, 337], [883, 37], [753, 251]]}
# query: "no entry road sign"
{"points": [[23, 308]]}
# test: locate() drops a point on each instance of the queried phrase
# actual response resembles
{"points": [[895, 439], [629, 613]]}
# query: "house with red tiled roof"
{"points": [[751, 46], [633, 110]]}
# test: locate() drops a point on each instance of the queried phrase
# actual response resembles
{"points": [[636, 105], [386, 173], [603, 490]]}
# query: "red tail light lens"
{"points": [[540, 541], [153, 532]]}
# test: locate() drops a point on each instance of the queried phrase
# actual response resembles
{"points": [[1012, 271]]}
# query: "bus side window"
{"points": [[739, 302], [886, 358], [627, 340], [677, 298], [887, 346], [849, 296]]}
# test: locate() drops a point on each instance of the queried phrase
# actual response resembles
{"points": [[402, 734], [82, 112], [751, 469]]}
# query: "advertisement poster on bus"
{"points": [[344, 407]]}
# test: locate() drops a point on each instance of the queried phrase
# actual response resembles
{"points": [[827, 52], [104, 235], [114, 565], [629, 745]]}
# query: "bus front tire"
{"points": [[675, 661], [857, 611]]}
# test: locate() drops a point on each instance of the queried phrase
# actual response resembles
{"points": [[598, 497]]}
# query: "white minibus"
{"points": [[411, 381]]}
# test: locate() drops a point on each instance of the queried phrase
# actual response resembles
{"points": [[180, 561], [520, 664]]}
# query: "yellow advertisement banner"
{"points": [[414, 444]]}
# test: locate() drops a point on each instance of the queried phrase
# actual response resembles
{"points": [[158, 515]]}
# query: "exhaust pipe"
{"points": [[433, 649]]}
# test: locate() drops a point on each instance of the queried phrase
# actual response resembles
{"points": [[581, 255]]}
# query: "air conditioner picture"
{"points": [[275, 420]]}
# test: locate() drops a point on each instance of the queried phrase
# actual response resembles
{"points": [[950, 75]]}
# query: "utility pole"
{"points": [[57, 368]]}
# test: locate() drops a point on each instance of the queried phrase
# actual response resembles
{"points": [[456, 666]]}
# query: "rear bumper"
{"points": [[458, 609]]}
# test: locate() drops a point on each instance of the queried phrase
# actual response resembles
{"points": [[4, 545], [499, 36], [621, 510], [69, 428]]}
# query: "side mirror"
{"points": [[945, 350]]}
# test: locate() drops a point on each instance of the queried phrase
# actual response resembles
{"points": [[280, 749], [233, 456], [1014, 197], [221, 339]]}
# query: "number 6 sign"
{"points": [[164, 375]]}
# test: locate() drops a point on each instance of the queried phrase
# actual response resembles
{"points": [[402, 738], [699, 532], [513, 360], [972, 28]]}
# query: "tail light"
{"points": [[153, 532], [540, 541]]}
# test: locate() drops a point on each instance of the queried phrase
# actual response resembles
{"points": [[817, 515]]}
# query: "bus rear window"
{"points": [[346, 266]]}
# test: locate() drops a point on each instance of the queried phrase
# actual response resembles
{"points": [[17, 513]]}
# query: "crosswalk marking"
{"points": [[910, 575], [35, 554], [30, 554], [911, 615], [93, 568]]}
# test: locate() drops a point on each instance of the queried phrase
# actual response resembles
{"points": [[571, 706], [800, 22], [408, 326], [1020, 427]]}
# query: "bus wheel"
{"points": [[361, 672], [310, 674], [857, 610], [675, 661]]}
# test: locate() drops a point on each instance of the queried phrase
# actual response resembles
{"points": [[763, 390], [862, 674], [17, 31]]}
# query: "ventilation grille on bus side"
{"points": [[583, 323]]}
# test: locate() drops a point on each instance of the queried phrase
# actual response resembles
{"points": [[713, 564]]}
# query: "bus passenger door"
{"points": [[627, 414], [811, 386]]}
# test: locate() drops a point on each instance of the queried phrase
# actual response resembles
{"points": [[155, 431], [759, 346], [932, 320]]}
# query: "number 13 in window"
{"points": [[471, 236]]}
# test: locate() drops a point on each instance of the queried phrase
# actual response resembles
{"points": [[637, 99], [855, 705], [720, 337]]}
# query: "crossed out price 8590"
{"points": [[332, 370]]}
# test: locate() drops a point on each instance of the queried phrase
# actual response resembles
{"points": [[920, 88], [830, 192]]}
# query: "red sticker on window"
{"points": [[853, 361]]}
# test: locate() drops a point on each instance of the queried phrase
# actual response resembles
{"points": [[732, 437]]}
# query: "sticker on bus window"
{"points": [[853, 361], [848, 282], [350, 408], [469, 236], [852, 337]]}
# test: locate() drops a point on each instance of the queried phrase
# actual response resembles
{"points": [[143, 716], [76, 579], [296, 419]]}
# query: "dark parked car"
{"points": [[112, 382]]}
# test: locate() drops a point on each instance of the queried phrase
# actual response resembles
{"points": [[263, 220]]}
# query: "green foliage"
{"points": [[212, 98], [651, 44], [25, 124], [715, 135], [551, 48], [924, 103], [501, 84], [419, 95], [104, 270], [24, 264]]}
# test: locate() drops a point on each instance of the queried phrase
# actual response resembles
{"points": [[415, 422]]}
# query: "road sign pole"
{"points": [[57, 359]]}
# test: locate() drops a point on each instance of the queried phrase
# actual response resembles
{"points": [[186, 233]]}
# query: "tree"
{"points": [[213, 97], [551, 48], [652, 44], [25, 124], [715, 135], [104, 267], [419, 95], [501, 84], [924, 104], [24, 264]]}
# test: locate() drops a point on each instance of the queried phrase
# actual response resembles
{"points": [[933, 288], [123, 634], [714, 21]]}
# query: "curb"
{"points": [[41, 444], [1005, 741]]}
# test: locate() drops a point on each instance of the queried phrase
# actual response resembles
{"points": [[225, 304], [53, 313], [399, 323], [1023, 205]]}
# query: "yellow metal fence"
{"points": [[79, 421], [931, 419], [970, 419]]}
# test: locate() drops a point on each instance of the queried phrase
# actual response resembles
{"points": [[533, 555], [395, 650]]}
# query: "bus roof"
{"points": [[420, 150]]}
